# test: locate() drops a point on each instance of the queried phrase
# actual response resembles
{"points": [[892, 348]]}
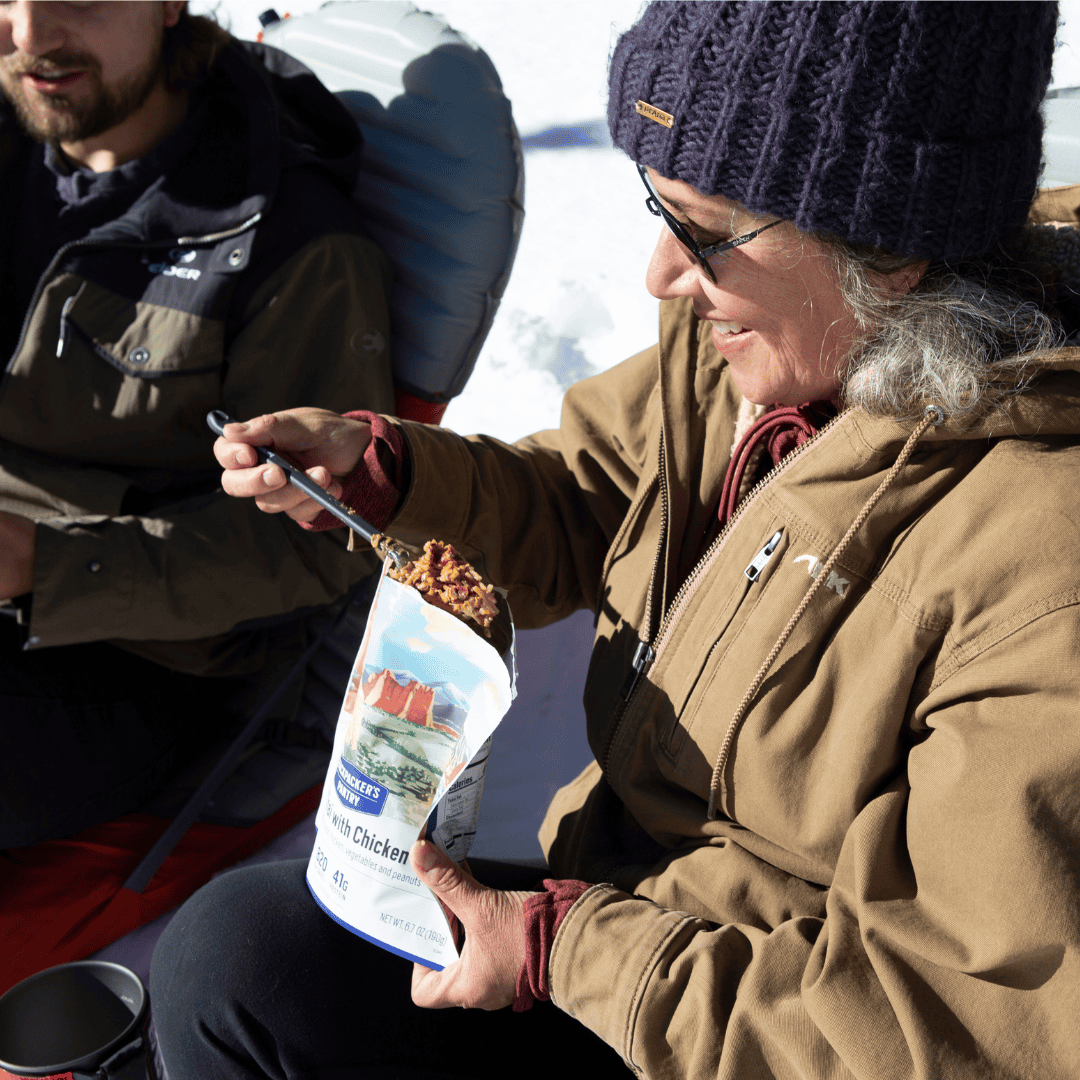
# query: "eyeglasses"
{"points": [[679, 230]]}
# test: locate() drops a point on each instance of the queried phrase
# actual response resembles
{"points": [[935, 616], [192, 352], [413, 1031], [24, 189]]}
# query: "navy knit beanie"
{"points": [[914, 127]]}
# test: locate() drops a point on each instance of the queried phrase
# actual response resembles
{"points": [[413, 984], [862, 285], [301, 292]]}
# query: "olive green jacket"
{"points": [[240, 281], [891, 886]]}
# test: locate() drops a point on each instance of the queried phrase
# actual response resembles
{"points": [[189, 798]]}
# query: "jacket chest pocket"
{"points": [[716, 618], [103, 378], [138, 339]]}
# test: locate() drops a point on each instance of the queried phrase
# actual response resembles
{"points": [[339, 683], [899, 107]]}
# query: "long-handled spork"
{"points": [[383, 544]]}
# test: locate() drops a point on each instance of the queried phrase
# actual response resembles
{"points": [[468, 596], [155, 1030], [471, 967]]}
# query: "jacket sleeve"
{"points": [[314, 333], [949, 940], [537, 517]]}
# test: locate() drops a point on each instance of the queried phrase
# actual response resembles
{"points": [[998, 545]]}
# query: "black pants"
{"points": [[251, 979], [90, 732]]}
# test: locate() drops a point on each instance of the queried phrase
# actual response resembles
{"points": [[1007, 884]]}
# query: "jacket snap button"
{"points": [[236, 256], [93, 566], [138, 356]]}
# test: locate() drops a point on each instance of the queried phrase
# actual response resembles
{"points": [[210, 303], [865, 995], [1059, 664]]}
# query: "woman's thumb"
{"points": [[440, 873]]}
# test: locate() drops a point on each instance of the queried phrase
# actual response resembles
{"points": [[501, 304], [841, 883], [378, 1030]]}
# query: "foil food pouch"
{"points": [[425, 694]]}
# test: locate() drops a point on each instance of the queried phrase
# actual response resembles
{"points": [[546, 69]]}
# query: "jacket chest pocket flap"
{"points": [[121, 382], [139, 339]]}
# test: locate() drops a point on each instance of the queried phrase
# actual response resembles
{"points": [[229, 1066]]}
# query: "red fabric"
{"points": [[4, 1075], [543, 914], [373, 488], [63, 900], [781, 430], [410, 407]]}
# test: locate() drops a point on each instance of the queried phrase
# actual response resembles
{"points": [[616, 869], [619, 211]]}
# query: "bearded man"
{"points": [[176, 236]]}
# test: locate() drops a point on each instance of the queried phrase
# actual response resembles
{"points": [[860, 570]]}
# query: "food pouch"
{"points": [[425, 694]]}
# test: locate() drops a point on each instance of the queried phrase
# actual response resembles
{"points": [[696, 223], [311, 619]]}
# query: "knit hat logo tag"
{"points": [[653, 113]]}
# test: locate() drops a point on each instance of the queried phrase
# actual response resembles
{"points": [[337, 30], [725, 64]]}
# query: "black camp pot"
{"points": [[88, 1019]]}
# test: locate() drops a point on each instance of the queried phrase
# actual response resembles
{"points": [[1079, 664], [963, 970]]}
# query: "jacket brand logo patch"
{"points": [[834, 581], [186, 273], [653, 113], [177, 268]]}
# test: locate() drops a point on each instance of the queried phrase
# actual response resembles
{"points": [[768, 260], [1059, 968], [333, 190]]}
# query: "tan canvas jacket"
{"points": [[891, 887]]}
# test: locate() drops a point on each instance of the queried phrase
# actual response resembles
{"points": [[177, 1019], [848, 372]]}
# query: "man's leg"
{"points": [[252, 979], [89, 732]]}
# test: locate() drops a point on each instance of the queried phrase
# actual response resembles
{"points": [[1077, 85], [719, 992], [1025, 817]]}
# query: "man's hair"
{"points": [[190, 49]]}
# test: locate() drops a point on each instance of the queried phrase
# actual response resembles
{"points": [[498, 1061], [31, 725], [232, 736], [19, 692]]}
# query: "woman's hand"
{"points": [[486, 973], [322, 443]]}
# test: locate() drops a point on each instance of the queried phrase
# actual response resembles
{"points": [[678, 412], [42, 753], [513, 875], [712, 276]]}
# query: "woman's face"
{"points": [[776, 310]]}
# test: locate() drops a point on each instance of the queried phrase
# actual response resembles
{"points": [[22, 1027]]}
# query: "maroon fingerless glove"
{"points": [[543, 914], [374, 488]]}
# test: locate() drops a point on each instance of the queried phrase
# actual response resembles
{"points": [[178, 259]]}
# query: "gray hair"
{"points": [[964, 337]]}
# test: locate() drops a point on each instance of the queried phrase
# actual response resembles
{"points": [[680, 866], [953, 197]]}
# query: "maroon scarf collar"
{"points": [[780, 430]]}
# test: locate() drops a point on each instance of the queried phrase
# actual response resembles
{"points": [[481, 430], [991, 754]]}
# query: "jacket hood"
{"points": [[269, 112], [316, 129], [1058, 256], [261, 112], [1048, 408]]}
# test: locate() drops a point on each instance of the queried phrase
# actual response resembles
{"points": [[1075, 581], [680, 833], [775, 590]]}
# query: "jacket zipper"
{"points": [[643, 658], [61, 341], [609, 558], [761, 559], [690, 584], [181, 241], [649, 651], [643, 654], [650, 596]]}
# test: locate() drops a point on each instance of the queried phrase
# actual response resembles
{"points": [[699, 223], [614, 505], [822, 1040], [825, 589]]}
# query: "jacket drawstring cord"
{"points": [[933, 415]]}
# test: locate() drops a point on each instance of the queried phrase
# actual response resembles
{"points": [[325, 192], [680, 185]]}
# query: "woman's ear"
{"points": [[901, 282]]}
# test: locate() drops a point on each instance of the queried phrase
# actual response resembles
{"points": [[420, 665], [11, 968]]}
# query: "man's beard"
{"points": [[56, 118]]}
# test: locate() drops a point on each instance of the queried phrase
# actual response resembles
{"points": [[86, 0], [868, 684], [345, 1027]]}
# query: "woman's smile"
{"points": [[776, 309]]}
